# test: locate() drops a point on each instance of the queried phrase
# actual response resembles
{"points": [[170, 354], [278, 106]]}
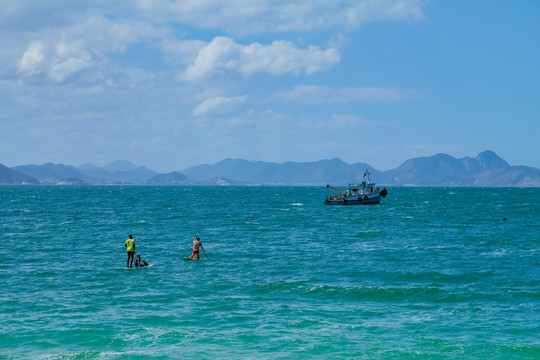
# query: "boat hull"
{"points": [[355, 200]]}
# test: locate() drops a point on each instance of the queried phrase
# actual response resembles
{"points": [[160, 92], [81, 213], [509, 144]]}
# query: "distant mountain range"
{"points": [[12, 177], [487, 169]]}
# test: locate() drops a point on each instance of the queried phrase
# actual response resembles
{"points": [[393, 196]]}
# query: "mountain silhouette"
{"points": [[486, 169]]}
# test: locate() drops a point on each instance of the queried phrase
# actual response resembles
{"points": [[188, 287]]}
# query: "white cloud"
{"points": [[222, 55], [311, 94], [69, 59], [182, 52], [32, 58], [102, 29], [233, 16], [60, 63], [63, 70], [363, 12], [107, 35], [63, 51], [219, 106], [242, 17]]}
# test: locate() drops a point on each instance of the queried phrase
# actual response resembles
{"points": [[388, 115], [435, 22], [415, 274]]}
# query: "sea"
{"points": [[429, 273]]}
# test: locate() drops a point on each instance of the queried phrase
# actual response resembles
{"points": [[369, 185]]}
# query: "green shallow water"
{"points": [[431, 273]]}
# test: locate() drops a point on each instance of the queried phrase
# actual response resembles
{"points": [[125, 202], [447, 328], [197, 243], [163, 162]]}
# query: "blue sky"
{"points": [[171, 84]]}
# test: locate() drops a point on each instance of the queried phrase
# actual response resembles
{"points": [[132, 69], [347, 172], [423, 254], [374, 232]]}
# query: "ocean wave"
{"points": [[383, 293]]}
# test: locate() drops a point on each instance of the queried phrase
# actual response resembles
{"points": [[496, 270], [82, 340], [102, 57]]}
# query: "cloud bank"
{"points": [[223, 56], [219, 106], [326, 95]]}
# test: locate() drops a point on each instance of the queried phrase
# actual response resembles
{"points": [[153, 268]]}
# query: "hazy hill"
{"points": [[119, 172], [519, 176], [486, 169], [298, 173], [121, 165], [445, 170], [12, 177], [173, 178], [176, 178], [52, 174]]}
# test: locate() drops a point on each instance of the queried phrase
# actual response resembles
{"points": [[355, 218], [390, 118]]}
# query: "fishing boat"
{"points": [[357, 194]]}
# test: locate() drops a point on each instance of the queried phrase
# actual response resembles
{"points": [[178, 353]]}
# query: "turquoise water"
{"points": [[430, 273]]}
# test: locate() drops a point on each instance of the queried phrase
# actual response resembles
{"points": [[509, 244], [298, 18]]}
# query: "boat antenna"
{"points": [[366, 175]]}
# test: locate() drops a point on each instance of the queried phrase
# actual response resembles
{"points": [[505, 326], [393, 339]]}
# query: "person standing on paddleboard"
{"points": [[196, 245], [130, 245]]}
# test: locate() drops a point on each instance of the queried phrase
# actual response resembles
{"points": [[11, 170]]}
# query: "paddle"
{"points": [[204, 252]]}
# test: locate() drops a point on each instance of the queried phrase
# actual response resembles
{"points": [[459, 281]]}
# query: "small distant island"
{"points": [[485, 170]]}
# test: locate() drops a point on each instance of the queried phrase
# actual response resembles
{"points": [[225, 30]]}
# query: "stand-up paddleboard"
{"points": [[188, 258], [140, 267]]}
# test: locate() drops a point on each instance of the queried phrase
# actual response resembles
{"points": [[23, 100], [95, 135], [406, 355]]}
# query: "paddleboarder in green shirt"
{"points": [[130, 245]]}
